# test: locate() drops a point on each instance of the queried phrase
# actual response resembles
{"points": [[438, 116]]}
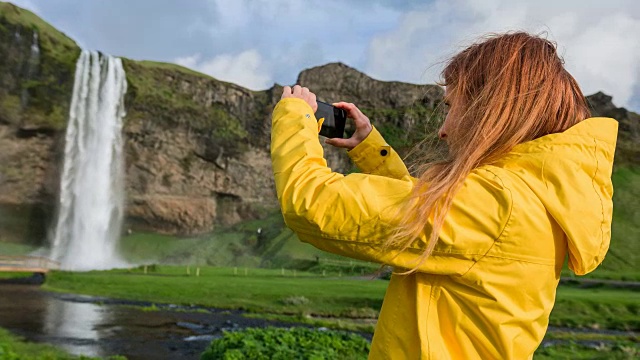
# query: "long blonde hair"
{"points": [[512, 88]]}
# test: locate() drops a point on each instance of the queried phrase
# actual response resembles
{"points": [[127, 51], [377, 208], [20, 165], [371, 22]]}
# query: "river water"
{"points": [[102, 327]]}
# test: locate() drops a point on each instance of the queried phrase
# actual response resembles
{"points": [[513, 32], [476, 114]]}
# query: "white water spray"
{"points": [[92, 185]]}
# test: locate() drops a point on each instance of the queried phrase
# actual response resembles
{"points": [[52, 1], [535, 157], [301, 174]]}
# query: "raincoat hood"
{"points": [[570, 172]]}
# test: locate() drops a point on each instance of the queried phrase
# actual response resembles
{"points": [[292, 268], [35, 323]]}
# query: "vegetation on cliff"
{"points": [[173, 96], [628, 145], [36, 70], [624, 250]]}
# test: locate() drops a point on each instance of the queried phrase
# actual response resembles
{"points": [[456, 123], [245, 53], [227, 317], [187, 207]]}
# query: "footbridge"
{"points": [[35, 264]]}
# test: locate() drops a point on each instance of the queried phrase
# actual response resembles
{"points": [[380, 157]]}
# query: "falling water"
{"points": [[32, 65], [35, 49], [92, 185]]}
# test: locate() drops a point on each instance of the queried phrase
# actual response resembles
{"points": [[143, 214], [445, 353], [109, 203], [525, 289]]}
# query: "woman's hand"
{"points": [[363, 127], [301, 93]]}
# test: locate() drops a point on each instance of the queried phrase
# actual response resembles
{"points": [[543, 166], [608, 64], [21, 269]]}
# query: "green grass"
{"points": [[597, 308], [261, 290], [347, 324], [227, 247], [240, 245], [219, 249], [576, 345], [267, 291], [339, 303], [603, 273], [15, 275], [15, 348], [600, 350], [9, 248], [624, 252]]}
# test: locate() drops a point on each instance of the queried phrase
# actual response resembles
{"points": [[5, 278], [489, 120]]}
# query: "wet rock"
{"points": [[190, 326]]}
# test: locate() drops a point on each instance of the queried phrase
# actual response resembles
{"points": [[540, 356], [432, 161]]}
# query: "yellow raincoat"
{"points": [[488, 289]]}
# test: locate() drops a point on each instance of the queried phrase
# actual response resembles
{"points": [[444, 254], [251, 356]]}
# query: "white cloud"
{"points": [[291, 35], [188, 61], [600, 41], [606, 56], [245, 68]]}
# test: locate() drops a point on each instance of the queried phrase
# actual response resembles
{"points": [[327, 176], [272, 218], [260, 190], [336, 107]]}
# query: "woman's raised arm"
{"points": [[353, 215]]}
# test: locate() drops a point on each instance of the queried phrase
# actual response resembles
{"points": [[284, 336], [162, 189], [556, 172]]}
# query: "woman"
{"points": [[478, 240]]}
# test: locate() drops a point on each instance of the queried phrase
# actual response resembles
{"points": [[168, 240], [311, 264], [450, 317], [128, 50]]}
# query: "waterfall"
{"points": [[35, 49], [91, 205], [32, 65]]}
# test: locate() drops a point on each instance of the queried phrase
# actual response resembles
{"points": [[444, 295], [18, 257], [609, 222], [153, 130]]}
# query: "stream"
{"points": [[101, 327]]}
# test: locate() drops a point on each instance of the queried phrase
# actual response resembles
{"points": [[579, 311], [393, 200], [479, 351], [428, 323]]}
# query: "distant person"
{"points": [[477, 241]]}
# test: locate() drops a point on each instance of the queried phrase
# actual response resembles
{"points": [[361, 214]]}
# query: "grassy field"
{"points": [[239, 245], [568, 345], [260, 290], [15, 275], [605, 274], [268, 291], [346, 303], [624, 251], [8, 248], [597, 308]]}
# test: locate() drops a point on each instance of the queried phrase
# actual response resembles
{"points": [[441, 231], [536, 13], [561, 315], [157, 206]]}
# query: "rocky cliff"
{"points": [[628, 145], [197, 149]]}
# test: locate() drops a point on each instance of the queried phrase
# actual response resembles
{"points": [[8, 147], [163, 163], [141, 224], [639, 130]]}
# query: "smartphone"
{"points": [[334, 120]]}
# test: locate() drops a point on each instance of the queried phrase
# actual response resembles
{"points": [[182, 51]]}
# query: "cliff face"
{"points": [[197, 149], [628, 145]]}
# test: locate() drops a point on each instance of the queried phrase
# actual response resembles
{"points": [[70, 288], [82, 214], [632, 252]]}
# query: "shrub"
{"points": [[281, 344], [295, 300], [360, 313]]}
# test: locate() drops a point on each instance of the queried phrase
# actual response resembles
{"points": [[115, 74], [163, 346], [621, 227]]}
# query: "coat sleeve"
{"points": [[374, 156], [353, 215]]}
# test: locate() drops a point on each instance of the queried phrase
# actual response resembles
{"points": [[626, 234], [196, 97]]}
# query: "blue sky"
{"points": [[258, 42]]}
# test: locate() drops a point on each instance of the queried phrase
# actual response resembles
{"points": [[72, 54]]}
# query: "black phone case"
{"points": [[334, 120]]}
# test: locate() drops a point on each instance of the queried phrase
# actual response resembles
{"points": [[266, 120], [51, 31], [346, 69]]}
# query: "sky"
{"points": [[256, 43]]}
